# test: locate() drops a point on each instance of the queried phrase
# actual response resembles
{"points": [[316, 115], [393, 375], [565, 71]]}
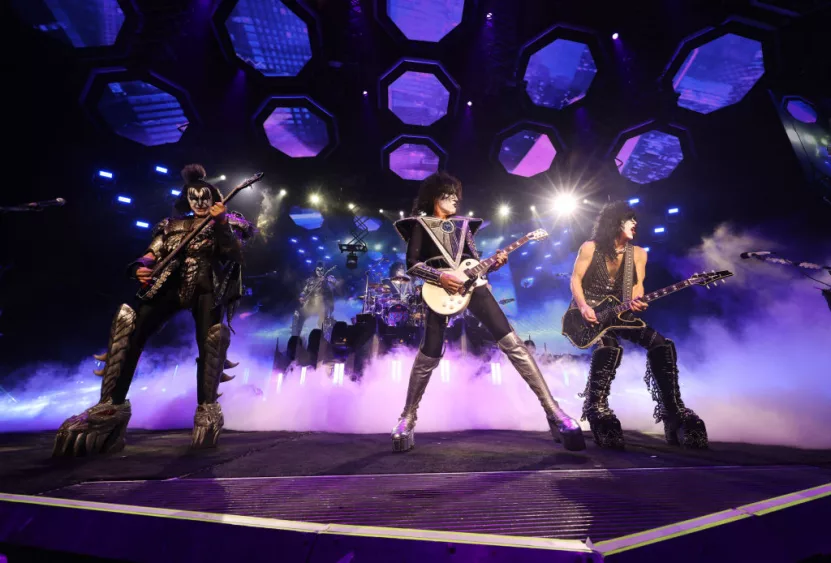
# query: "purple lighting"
{"points": [[80, 24], [559, 74], [719, 73], [414, 161], [527, 153], [425, 20], [649, 157], [418, 98], [802, 111], [296, 131], [366, 93], [469, 103], [615, 36]]}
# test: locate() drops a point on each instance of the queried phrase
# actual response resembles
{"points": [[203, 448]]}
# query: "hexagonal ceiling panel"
{"points": [[527, 153], [270, 37], [719, 73], [560, 73], [94, 23], [649, 157], [142, 112], [425, 20], [414, 161], [296, 131], [418, 98]]}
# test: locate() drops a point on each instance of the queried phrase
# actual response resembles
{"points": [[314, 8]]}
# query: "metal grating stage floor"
{"points": [[566, 504]]}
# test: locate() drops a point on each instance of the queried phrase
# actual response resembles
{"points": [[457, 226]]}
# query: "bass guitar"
{"points": [[613, 315], [472, 274], [163, 264]]}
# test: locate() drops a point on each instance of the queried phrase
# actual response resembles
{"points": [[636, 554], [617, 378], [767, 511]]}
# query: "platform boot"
{"points": [[102, 427], [563, 428], [602, 420], [681, 425], [403, 435]]}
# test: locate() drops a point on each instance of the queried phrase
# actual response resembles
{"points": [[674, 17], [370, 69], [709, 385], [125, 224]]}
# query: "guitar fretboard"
{"points": [[654, 295], [484, 265]]}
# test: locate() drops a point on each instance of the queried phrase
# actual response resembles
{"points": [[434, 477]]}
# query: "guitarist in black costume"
{"points": [[436, 238], [609, 264], [204, 278]]}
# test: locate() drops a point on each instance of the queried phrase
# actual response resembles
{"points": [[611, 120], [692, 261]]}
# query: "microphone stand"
{"points": [[826, 292]]}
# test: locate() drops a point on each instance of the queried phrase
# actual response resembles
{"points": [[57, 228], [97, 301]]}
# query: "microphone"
{"points": [[757, 254], [57, 202]]}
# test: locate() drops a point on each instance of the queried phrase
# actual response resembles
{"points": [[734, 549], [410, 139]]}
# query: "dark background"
{"points": [[63, 269]]}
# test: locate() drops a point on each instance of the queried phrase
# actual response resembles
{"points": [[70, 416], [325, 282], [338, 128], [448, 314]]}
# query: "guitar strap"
{"points": [[628, 272]]}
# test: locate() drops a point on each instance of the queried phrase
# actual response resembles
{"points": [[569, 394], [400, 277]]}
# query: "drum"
{"points": [[396, 315]]}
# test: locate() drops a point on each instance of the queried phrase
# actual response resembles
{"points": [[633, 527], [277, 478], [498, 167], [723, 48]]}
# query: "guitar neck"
{"points": [[668, 290], [486, 264]]}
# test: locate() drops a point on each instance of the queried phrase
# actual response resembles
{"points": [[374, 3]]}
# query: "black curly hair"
{"points": [[194, 177], [608, 226], [432, 188]]}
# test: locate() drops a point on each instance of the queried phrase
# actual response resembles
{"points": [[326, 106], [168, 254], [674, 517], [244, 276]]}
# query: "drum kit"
{"points": [[396, 307]]}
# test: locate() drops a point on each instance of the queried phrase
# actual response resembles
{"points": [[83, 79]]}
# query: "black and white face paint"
{"points": [[200, 200]]}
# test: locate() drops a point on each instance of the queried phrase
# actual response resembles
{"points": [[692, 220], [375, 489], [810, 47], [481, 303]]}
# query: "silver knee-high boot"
{"points": [[208, 420], [102, 427], [403, 435], [564, 428]]}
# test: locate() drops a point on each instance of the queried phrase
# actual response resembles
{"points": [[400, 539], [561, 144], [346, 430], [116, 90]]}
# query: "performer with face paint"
{"points": [[206, 279], [316, 298], [609, 264], [437, 238]]}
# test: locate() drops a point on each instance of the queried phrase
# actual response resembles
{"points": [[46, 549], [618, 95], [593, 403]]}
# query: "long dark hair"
{"points": [[432, 188], [194, 177], [608, 226]]}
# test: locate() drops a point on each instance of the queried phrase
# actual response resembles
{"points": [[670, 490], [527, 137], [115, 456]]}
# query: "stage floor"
{"points": [[490, 482]]}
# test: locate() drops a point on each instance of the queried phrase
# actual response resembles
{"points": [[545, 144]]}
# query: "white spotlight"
{"points": [[380, 211], [222, 177], [351, 206], [533, 208], [314, 198], [470, 213], [283, 192], [504, 210], [565, 204], [401, 213]]}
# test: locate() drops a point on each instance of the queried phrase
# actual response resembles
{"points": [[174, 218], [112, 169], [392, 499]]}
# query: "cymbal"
{"points": [[400, 279]]}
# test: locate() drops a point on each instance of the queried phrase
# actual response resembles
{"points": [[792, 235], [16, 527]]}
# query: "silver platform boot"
{"points": [[563, 428], [403, 435]]}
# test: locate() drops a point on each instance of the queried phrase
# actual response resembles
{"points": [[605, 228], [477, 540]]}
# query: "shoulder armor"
{"points": [[241, 226], [405, 227]]}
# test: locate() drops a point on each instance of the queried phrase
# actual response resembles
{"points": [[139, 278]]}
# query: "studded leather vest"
{"points": [[597, 283]]}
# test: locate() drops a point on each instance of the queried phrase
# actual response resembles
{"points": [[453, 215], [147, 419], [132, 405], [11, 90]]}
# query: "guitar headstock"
{"points": [[707, 278], [539, 234], [250, 181]]}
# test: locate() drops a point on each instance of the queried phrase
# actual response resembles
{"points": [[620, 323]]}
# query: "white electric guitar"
{"points": [[472, 274]]}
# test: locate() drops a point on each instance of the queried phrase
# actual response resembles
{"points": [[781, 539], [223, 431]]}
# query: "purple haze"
{"points": [[766, 382]]}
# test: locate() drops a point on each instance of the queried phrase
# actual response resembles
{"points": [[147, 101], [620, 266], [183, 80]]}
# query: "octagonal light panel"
{"points": [[425, 20], [91, 23], [719, 73], [527, 153], [269, 37], [414, 161], [142, 112], [309, 219], [559, 74], [418, 98], [649, 157], [296, 131]]}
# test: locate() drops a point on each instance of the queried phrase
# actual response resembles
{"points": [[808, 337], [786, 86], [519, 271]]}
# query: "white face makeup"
{"points": [[629, 228], [448, 204], [200, 201]]}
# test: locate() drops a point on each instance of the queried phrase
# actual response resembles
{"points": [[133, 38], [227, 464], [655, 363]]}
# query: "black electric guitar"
{"points": [[163, 264], [613, 315]]}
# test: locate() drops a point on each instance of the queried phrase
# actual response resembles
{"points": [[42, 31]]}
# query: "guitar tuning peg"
{"points": [[707, 286]]}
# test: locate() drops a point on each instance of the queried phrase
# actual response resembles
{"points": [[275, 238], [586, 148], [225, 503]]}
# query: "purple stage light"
{"points": [[80, 24], [413, 161], [142, 112], [366, 93], [615, 36], [469, 103], [296, 132], [719, 73], [425, 20], [418, 98], [489, 15], [527, 153], [559, 74], [802, 111], [268, 36], [649, 157]]}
